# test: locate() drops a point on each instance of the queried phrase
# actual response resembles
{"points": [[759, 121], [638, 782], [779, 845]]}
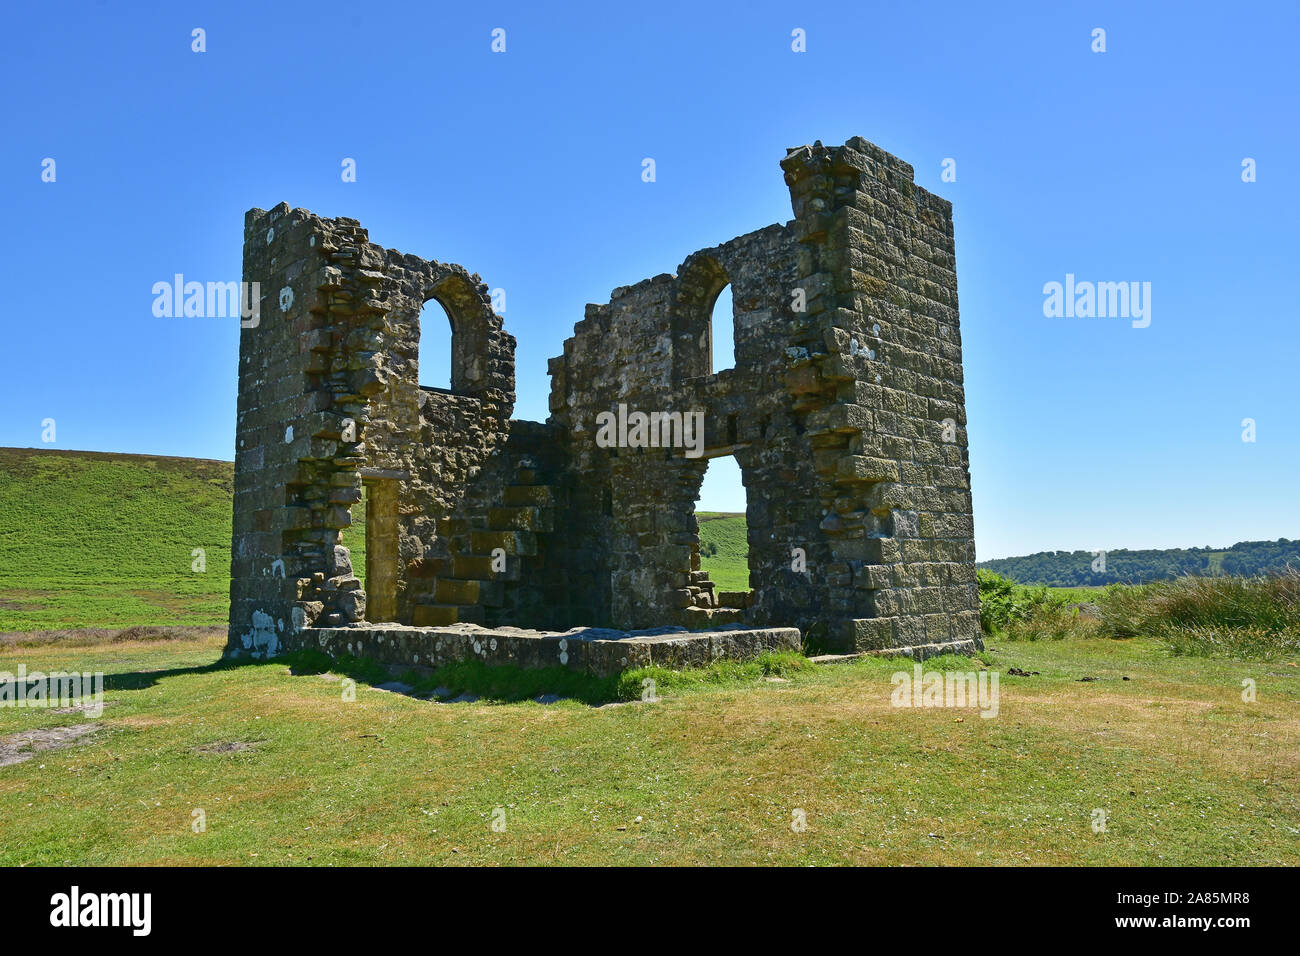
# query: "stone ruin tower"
{"points": [[845, 412]]}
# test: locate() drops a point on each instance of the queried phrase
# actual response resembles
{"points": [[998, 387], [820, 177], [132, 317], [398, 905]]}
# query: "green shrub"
{"points": [[1018, 612], [997, 596]]}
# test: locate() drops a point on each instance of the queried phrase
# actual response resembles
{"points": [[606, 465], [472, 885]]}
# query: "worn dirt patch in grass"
{"points": [[165, 600], [143, 721], [228, 746], [21, 599], [26, 744]]}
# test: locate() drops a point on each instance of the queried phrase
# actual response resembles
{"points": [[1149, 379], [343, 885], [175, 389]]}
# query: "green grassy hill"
{"points": [[95, 539], [90, 539], [724, 549]]}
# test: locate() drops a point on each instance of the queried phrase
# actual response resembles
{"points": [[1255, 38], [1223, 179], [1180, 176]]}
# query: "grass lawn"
{"points": [[287, 772]]}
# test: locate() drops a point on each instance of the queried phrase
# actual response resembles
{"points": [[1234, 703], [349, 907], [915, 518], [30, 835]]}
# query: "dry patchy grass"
{"points": [[1186, 772]]}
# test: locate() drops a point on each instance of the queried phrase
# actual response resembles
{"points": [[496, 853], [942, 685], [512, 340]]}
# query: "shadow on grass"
{"points": [[142, 680], [503, 684], [474, 680], [494, 684]]}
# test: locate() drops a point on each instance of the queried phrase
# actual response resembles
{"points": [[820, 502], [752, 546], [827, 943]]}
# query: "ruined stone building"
{"points": [[845, 412]]}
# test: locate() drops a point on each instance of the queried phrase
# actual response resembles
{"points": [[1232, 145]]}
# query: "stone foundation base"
{"points": [[597, 651], [918, 652]]}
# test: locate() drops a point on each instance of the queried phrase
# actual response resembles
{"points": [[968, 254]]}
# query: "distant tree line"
{"points": [[1083, 568]]}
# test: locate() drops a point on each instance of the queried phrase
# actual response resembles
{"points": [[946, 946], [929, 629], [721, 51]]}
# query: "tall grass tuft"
{"points": [[1254, 617], [1211, 616], [1226, 602]]}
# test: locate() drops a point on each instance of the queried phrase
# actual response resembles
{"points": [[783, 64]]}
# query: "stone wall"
{"points": [[329, 397], [891, 439], [649, 349], [600, 652], [845, 412]]}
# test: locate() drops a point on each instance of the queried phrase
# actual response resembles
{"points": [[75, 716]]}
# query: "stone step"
{"points": [[469, 591], [512, 542], [527, 476], [441, 615], [479, 567], [740, 599], [530, 495], [525, 518], [702, 619]]}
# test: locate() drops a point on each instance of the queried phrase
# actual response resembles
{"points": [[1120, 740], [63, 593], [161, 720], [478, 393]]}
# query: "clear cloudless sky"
{"points": [[526, 167]]}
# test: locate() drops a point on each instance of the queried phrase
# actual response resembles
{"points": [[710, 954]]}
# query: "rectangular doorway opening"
{"points": [[379, 495], [720, 556]]}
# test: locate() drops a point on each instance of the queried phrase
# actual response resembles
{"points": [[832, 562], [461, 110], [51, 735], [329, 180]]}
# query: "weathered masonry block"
{"points": [[845, 412]]}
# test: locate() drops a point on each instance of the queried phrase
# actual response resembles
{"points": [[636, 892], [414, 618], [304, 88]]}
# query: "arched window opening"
{"points": [[722, 331], [436, 330]]}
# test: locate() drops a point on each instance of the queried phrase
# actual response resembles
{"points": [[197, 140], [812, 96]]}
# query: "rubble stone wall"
{"points": [[845, 412], [329, 396]]}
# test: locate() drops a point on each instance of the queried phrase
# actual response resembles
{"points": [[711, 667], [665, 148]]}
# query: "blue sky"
{"points": [[526, 167]]}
